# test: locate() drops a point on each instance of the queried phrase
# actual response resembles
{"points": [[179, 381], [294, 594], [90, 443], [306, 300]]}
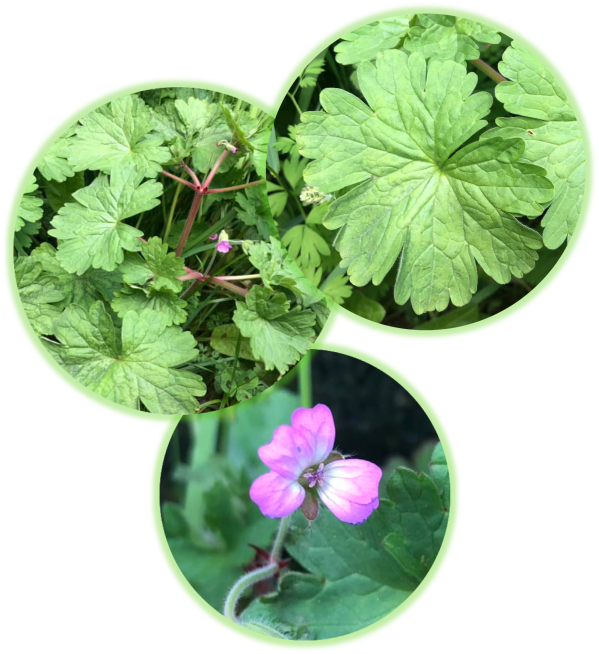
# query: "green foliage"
{"points": [[434, 36], [403, 164], [445, 37], [83, 290], [137, 365], [357, 574], [364, 43], [337, 287], [55, 165], [365, 307], [59, 193], [340, 577], [211, 531], [444, 210], [118, 134], [92, 232], [164, 301], [305, 245], [156, 266], [254, 211], [95, 242], [39, 294], [551, 136], [30, 209], [225, 338], [278, 335], [312, 71]]}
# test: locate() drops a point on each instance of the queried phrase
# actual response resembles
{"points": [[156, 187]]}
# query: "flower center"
{"points": [[315, 476]]}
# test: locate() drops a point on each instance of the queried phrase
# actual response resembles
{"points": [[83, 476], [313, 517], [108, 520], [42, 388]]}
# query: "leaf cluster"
{"points": [[105, 266], [416, 195]]}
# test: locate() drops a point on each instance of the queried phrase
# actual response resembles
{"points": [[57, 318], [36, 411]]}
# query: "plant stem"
{"points": [[305, 381], [178, 179], [195, 206], [488, 70], [277, 546], [248, 580], [190, 172], [242, 584], [227, 394], [235, 188], [163, 204], [208, 268], [141, 217], [201, 277], [341, 76], [214, 170], [171, 214], [231, 278], [297, 107]]}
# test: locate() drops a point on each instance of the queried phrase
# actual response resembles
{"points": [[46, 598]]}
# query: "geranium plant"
{"points": [[285, 534], [147, 261], [429, 161]]}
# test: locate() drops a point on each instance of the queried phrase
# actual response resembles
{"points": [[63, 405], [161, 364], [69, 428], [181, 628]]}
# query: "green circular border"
{"points": [[366, 630], [271, 107]]}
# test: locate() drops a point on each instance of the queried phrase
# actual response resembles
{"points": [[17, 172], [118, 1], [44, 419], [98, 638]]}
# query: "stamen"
{"points": [[315, 477]]}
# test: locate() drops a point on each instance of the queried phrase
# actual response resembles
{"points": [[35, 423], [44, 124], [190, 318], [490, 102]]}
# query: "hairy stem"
{"points": [[488, 70], [277, 546], [242, 584], [248, 580], [195, 206]]}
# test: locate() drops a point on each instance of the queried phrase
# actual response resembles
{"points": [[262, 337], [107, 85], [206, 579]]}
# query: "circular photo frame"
{"points": [[313, 511]]}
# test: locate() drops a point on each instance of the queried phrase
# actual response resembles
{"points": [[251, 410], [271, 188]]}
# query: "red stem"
{"points": [[212, 173], [191, 174], [178, 179], [200, 277], [195, 205], [235, 188]]}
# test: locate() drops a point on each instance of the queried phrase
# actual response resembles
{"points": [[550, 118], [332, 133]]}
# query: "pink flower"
{"points": [[213, 237], [224, 247], [304, 467]]}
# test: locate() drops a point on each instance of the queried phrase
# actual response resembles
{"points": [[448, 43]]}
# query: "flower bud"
{"points": [[309, 507], [311, 195]]}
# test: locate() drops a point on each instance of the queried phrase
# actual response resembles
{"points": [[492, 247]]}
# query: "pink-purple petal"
{"points": [[350, 489], [318, 427], [289, 453], [345, 510], [276, 496]]}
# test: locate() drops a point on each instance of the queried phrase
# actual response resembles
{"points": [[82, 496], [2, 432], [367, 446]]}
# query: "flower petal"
{"points": [[276, 496], [289, 453], [351, 489], [318, 427]]}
